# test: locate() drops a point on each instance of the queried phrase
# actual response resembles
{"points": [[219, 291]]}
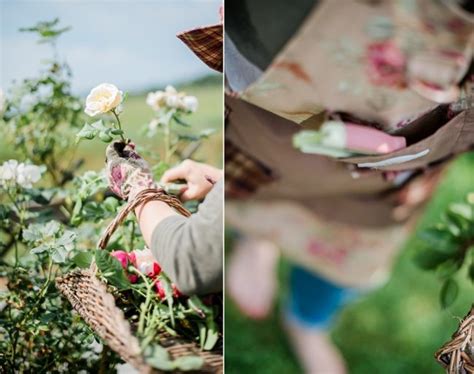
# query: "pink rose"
{"points": [[386, 64], [125, 260], [122, 256]]}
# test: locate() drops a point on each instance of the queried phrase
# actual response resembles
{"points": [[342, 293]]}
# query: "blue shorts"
{"points": [[314, 301]]}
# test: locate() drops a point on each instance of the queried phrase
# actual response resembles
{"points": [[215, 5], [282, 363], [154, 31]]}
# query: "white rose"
{"points": [[28, 174], [153, 124], [102, 99], [155, 99], [170, 90], [8, 170], [173, 101], [2, 101], [144, 260], [189, 103]]}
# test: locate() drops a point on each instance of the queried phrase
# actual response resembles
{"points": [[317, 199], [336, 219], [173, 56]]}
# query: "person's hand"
{"points": [[127, 171], [199, 178]]}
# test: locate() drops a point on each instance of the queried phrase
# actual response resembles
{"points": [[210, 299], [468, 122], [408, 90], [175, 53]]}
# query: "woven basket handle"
{"points": [[142, 197]]}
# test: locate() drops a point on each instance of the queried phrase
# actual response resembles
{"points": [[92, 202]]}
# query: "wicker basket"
{"points": [[89, 297], [457, 355]]}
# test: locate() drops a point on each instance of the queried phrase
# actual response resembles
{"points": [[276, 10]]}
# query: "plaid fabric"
{"points": [[206, 43], [243, 174]]}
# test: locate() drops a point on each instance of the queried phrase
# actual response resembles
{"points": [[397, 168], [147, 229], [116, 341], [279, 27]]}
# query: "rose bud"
{"points": [[160, 290], [146, 263]]}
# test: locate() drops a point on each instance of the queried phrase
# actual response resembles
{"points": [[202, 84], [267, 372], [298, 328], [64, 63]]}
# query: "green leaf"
{"points": [[111, 269], [168, 294], [449, 293], [179, 121], [39, 249], [59, 255], [76, 213], [460, 215], [158, 357], [39, 196], [202, 334], [99, 125], [87, 132], [51, 228], [448, 268], [429, 259], [461, 210], [116, 132], [470, 272], [470, 198], [105, 136], [67, 240], [187, 363], [212, 334], [439, 239], [83, 259], [196, 304], [110, 204], [32, 233]]}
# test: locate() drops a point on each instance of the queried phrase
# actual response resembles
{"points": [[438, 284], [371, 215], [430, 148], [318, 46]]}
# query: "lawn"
{"points": [[395, 329]]}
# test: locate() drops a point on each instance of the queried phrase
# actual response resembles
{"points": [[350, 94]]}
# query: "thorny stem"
{"points": [[21, 217], [36, 304], [166, 139], [145, 305], [132, 236], [119, 124]]}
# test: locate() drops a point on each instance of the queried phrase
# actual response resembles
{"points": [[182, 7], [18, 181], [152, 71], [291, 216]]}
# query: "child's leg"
{"points": [[251, 278], [312, 304]]}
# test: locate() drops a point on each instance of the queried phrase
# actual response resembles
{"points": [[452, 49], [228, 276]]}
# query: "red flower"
{"points": [[386, 64], [160, 290]]}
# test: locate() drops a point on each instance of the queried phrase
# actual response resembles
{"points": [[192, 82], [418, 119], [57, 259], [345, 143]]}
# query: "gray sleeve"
{"points": [[189, 250]]}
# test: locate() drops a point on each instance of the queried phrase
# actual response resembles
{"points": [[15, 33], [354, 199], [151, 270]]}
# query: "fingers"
{"points": [[190, 193], [178, 172]]}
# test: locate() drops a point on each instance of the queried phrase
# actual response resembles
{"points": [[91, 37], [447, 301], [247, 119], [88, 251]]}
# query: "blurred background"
{"points": [[395, 329], [131, 44]]}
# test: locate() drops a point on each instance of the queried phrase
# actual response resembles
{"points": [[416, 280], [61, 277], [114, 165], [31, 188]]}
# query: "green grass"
{"points": [[395, 329]]}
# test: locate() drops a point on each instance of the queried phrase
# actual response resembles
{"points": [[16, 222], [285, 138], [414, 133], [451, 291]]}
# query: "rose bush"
{"points": [[51, 217]]}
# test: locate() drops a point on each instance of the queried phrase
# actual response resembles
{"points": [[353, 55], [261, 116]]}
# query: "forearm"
{"points": [[190, 254], [149, 215], [189, 250]]}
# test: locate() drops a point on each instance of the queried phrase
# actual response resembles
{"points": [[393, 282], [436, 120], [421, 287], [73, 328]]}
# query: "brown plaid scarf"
{"points": [[206, 43]]}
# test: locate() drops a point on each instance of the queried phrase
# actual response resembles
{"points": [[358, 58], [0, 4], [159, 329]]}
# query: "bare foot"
{"points": [[251, 277], [314, 349]]}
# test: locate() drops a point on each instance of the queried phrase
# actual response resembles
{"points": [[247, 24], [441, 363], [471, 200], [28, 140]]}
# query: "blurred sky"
{"points": [[129, 43]]}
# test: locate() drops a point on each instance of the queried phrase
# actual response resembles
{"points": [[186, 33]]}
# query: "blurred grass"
{"points": [[393, 330]]}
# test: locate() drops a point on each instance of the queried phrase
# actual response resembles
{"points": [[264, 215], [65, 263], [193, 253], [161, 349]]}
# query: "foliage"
{"points": [[42, 111], [449, 248]]}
